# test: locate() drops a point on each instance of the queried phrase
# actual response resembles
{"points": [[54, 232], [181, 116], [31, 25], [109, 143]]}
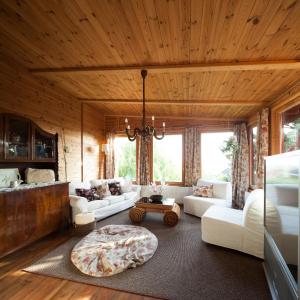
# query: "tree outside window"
{"points": [[125, 158]]}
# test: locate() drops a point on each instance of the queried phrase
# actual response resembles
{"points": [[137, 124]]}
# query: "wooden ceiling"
{"points": [[218, 59]]}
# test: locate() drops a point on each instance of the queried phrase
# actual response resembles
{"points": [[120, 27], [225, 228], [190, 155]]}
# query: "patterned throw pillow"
{"points": [[115, 188], [203, 191], [89, 194], [103, 190]]}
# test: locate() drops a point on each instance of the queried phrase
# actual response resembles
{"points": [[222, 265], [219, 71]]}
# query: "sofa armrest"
{"points": [[80, 203], [137, 188]]}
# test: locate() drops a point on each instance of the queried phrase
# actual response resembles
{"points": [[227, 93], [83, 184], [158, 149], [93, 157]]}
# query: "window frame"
{"points": [[281, 120], [171, 183]]}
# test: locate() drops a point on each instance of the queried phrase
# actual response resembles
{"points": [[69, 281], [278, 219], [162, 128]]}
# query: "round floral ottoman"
{"points": [[113, 249]]}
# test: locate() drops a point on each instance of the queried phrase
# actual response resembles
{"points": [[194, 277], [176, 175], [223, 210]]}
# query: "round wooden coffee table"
{"points": [[169, 208]]}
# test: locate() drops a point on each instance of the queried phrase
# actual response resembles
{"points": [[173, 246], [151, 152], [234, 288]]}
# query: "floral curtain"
{"points": [[110, 157], [240, 166], [192, 167], [262, 145], [143, 162]]}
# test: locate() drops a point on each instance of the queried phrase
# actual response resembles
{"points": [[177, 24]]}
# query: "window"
{"points": [[291, 129], [125, 158], [253, 159], [167, 158], [215, 160]]}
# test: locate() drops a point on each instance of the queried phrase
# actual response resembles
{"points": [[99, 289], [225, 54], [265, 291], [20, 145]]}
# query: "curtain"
{"points": [[110, 157], [262, 145], [240, 166], [143, 162], [192, 163]]}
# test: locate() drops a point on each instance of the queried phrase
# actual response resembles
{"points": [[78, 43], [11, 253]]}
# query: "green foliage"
{"points": [[164, 168], [290, 138], [229, 147], [127, 161]]}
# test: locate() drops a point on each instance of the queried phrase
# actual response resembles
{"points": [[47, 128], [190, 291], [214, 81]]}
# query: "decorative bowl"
{"points": [[156, 198]]}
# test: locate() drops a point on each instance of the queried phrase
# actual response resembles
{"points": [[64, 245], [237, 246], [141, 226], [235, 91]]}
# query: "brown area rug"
{"points": [[183, 266]]}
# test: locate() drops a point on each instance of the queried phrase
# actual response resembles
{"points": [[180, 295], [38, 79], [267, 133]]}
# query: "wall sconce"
{"points": [[105, 148]]}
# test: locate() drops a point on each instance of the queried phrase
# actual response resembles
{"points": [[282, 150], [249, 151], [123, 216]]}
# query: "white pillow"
{"points": [[126, 186], [97, 182], [39, 175]]}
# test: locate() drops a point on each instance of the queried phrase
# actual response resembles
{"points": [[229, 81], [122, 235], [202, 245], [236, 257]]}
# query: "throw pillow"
{"points": [[203, 191], [103, 190], [89, 194], [126, 186], [115, 188]]}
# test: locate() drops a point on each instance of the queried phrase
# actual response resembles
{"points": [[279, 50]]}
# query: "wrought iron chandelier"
{"points": [[146, 131]]}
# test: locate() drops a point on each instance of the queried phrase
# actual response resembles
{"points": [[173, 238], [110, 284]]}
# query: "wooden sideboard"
{"points": [[29, 214]]}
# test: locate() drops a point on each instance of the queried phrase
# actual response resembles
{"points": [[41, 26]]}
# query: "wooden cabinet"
{"points": [[29, 214], [23, 144]]}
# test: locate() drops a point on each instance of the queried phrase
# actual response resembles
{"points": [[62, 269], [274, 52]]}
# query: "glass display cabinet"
{"points": [[23, 144]]}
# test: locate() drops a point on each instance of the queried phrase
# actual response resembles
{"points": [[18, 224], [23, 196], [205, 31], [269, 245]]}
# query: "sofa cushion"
{"points": [[114, 199], [126, 185], [97, 182], [222, 226], [96, 204], [129, 195], [197, 206], [221, 189]]}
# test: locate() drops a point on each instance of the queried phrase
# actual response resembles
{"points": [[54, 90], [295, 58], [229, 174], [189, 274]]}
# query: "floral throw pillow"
{"points": [[203, 191], [89, 194], [103, 190], [115, 188]]}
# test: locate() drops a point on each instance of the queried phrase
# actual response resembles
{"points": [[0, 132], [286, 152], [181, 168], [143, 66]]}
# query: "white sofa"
{"points": [[101, 208], [197, 206], [242, 230]]}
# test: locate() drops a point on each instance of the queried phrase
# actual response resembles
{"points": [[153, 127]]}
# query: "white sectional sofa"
{"points": [[197, 206], [241, 230], [101, 208]]}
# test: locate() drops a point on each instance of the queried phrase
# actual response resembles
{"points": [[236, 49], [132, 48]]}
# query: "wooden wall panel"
{"points": [[55, 111]]}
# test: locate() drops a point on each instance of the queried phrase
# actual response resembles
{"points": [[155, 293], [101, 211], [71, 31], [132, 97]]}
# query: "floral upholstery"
{"points": [[113, 249]]}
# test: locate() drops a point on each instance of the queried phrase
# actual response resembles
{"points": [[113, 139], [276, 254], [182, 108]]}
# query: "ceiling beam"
{"points": [[182, 68], [176, 102], [287, 98], [166, 117]]}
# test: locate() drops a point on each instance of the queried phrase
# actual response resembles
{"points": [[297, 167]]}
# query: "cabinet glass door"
{"points": [[44, 145], [17, 139]]}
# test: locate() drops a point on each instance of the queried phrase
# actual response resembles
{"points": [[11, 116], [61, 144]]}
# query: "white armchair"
{"points": [[242, 230]]}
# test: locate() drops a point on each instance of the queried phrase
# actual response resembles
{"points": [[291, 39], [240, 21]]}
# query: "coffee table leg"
{"points": [[171, 217], [136, 215]]}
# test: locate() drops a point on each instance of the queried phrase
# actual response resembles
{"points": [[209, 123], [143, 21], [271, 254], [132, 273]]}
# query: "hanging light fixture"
{"points": [[145, 131]]}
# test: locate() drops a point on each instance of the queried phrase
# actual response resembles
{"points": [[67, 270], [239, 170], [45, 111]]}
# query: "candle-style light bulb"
{"points": [[128, 126], [164, 126], [153, 118], [126, 120]]}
